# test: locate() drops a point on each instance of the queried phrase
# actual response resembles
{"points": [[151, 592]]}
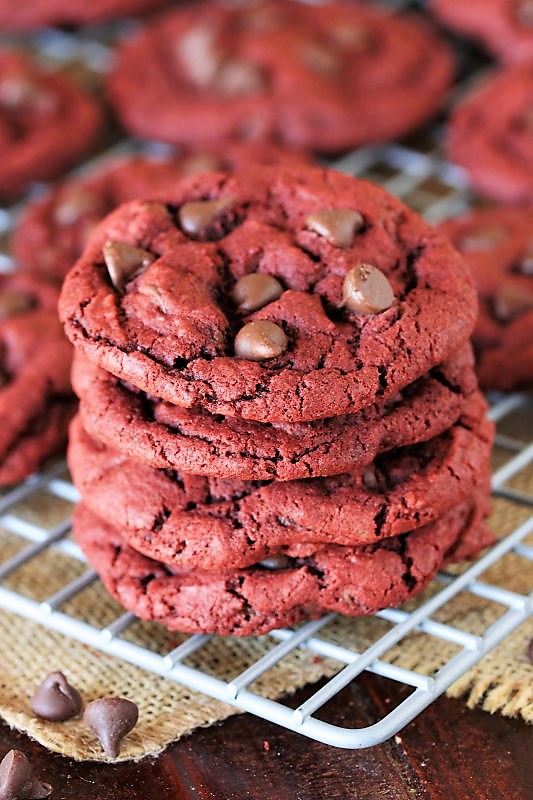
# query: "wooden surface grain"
{"points": [[448, 753]]}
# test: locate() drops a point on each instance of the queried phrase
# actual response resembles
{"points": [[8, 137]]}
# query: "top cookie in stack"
{"points": [[357, 296]]}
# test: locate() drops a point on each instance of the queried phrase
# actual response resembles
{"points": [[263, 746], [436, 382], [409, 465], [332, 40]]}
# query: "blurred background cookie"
{"points": [[47, 122], [497, 244]]}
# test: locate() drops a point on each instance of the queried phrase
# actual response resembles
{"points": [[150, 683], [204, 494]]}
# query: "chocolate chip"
{"points": [[352, 37], [366, 290], [76, 204], [123, 261], [201, 162], [17, 779], [524, 13], [275, 562], [18, 91], [55, 699], [261, 20], [260, 340], [255, 291], [338, 225], [529, 651], [482, 239], [370, 478], [524, 264], [239, 77], [510, 301], [320, 58], [157, 296], [111, 719], [197, 216], [200, 54], [13, 302]]}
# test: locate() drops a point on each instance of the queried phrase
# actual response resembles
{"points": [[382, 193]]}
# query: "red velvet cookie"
{"points": [[16, 16], [35, 397], [46, 122], [504, 26], [53, 231], [275, 295], [214, 523], [491, 135], [326, 77], [350, 580], [497, 244], [192, 440]]}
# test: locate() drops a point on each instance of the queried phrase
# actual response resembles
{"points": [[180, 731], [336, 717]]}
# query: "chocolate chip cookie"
{"points": [[53, 230], [35, 397], [497, 244], [325, 77], [350, 580], [505, 27], [491, 135], [276, 295], [161, 435], [46, 122], [216, 523]]}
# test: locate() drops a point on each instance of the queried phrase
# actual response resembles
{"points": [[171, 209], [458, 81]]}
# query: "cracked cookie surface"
{"points": [[354, 581], [53, 230], [37, 106], [490, 134], [213, 523], [325, 77], [497, 244], [152, 298], [192, 440], [36, 401]]}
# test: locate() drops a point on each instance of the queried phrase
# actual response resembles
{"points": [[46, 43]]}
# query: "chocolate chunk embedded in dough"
{"points": [[260, 340], [366, 290]]}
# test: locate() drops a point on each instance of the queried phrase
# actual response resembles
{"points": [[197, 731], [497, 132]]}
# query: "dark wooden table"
{"points": [[448, 753]]}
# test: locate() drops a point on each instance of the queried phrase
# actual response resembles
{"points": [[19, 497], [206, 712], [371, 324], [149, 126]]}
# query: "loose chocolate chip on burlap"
{"points": [[366, 290], [196, 217], [260, 340], [255, 291], [529, 651], [18, 781], [123, 261], [55, 699], [111, 718], [338, 225]]}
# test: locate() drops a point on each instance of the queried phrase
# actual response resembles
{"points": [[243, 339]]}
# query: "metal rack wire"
{"points": [[416, 172], [237, 692]]}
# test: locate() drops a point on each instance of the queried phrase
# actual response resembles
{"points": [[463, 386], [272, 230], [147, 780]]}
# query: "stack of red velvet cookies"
{"points": [[278, 409]]}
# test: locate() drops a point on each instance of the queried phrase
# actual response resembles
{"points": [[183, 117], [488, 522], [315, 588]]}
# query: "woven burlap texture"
{"points": [[502, 682]]}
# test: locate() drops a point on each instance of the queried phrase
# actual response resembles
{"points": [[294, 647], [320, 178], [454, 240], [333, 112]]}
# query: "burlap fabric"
{"points": [[502, 682]]}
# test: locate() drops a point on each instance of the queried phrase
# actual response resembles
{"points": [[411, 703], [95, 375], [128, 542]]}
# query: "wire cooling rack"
{"points": [[416, 172]]}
